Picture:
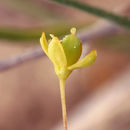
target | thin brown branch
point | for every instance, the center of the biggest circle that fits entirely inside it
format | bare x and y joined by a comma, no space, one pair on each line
17,60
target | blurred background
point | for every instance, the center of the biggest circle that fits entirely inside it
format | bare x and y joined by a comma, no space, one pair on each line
98,97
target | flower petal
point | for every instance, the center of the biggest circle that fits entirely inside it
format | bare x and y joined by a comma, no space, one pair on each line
85,62
44,43
56,53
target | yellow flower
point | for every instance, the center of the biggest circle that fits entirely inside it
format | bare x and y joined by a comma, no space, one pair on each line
65,54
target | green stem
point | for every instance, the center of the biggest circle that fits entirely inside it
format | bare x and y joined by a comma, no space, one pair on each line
123,21
19,34
31,34
63,102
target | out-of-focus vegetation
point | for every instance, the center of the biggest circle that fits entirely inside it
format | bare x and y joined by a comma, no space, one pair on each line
36,17
52,21
123,21
32,34
118,42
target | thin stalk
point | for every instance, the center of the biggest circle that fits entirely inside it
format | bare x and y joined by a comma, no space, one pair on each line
63,102
123,21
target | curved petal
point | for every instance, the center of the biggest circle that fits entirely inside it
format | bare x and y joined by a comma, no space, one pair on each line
56,53
44,43
85,62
